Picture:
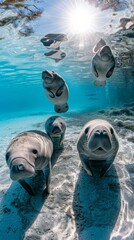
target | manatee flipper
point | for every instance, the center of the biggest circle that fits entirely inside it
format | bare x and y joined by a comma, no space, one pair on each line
95,70
61,108
86,164
61,139
99,83
109,73
106,167
51,94
48,54
26,186
60,90
48,178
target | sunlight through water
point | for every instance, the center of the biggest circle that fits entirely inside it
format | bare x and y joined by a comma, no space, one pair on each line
81,18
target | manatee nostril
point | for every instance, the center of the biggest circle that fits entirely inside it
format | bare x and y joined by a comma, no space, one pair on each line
97,132
18,168
21,167
104,132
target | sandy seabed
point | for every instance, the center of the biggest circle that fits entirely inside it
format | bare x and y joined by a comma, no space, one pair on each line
79,206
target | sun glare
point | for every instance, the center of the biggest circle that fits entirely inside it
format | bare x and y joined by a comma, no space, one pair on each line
81,18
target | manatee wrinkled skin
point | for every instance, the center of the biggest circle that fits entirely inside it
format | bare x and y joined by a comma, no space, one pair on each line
28,153
97,147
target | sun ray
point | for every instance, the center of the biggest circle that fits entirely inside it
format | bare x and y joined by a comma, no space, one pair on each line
80,17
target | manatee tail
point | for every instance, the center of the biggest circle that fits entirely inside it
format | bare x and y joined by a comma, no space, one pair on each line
99,83
61,108
99,45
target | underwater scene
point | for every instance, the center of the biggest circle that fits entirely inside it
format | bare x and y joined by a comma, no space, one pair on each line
67,120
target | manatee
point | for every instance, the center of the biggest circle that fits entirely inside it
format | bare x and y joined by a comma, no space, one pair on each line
97,147
56,90
103,63
28,153
53,41
55,127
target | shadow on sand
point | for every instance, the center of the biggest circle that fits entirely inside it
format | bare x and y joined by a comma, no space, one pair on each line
96,205
19,210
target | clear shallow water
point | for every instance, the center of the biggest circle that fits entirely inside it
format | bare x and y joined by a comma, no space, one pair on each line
78,207
22,61
21,90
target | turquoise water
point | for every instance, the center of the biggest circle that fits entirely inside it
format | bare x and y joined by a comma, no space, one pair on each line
22,62
78,207
22,59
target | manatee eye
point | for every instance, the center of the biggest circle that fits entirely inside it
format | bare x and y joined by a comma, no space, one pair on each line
111,130
34,151
7,155
86,130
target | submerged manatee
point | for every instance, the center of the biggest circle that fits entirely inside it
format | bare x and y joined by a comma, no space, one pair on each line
103,63
27,153
53,40
55,127
97,146
99,45
56,90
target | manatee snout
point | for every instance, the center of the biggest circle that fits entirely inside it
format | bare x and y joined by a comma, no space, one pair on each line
47,76
56,130
20,168
100,140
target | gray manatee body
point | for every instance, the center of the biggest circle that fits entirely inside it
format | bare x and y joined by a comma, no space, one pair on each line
53,41
55,127
56,90
97,147
103,63
28,153
99,45
57,55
